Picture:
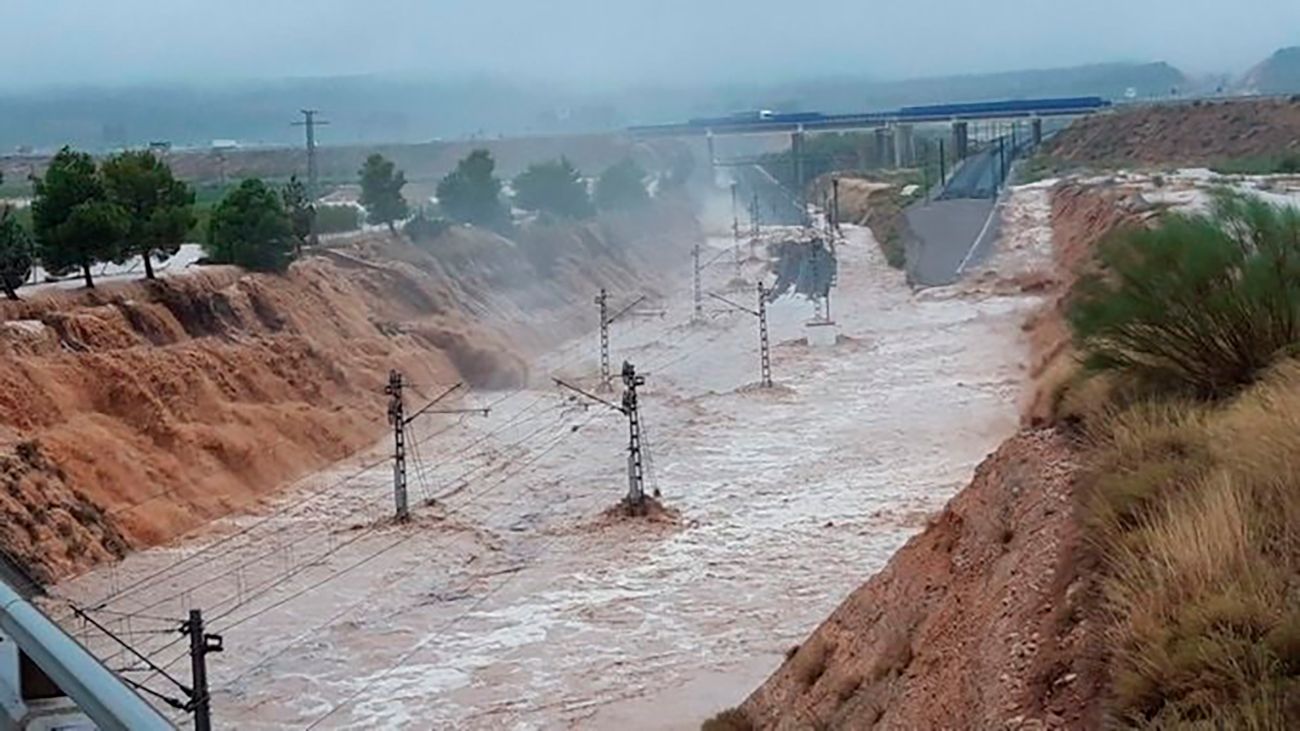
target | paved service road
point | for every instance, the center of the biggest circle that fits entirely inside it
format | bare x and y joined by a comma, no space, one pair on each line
960,225
945,234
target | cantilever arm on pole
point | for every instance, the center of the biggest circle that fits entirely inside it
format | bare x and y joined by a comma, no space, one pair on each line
742,308
715,258
620,409
434,402
625,310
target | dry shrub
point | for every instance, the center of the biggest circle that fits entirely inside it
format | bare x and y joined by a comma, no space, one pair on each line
809,661
1195,512
1140,455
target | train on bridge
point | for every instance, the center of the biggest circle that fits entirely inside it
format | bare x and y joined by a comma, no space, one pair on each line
769,121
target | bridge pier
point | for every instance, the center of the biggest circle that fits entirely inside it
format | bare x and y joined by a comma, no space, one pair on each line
960,140
796,159
713,160
884,147
1036,126
904,146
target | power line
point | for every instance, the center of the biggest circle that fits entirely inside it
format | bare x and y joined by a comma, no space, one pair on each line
519,470
263,589
307,536
420,645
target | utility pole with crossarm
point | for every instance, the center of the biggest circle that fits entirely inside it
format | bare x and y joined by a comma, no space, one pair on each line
629,407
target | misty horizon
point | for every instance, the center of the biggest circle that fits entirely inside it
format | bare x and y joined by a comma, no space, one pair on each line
599,47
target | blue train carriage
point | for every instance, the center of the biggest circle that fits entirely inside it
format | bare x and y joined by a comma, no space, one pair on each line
1009,106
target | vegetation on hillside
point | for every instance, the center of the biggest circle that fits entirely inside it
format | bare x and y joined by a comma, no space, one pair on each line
1202,303
1283,164
74,222
158,206
1189,496
381,192
622,187
16,253
555,187
302,212
472,193
251,229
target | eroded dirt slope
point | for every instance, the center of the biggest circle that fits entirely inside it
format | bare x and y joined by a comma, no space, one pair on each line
134,413
1185,134
973,623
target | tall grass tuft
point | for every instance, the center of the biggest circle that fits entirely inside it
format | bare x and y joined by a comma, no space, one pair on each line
1200,304
1194,508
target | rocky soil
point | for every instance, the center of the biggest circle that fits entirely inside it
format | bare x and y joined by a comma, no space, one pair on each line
1171,135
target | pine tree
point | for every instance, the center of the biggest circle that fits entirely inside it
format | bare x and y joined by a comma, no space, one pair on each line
160,207
250,228
554,187
15,253
74,223
381,192
472,193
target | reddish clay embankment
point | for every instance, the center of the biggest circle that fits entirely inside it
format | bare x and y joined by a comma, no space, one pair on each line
1082,215
133,413
989,619
975,623
1183,134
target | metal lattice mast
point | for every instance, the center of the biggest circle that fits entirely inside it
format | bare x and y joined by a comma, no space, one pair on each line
602,300
699,289
635,468
735,216
762,336
397,417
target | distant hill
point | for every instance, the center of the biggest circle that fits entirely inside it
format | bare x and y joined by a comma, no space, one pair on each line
1279,74
1111,80
371,109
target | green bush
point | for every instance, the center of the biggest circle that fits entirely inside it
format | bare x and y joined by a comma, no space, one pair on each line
423,228
1199,304
1288,164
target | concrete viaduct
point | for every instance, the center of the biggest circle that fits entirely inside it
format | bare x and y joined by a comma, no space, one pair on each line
893,129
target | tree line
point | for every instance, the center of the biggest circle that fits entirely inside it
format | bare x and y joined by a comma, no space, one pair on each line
473,194
131,205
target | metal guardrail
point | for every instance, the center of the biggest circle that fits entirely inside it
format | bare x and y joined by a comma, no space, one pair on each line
98,693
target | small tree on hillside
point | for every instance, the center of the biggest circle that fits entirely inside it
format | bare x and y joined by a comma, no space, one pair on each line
250,228
74,223
472,193
554,187
381,192
15,253
302,214
622,186
159,207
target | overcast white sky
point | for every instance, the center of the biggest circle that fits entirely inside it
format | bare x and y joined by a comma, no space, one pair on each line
608,42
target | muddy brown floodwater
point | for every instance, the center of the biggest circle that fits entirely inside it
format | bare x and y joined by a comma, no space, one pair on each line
514,602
